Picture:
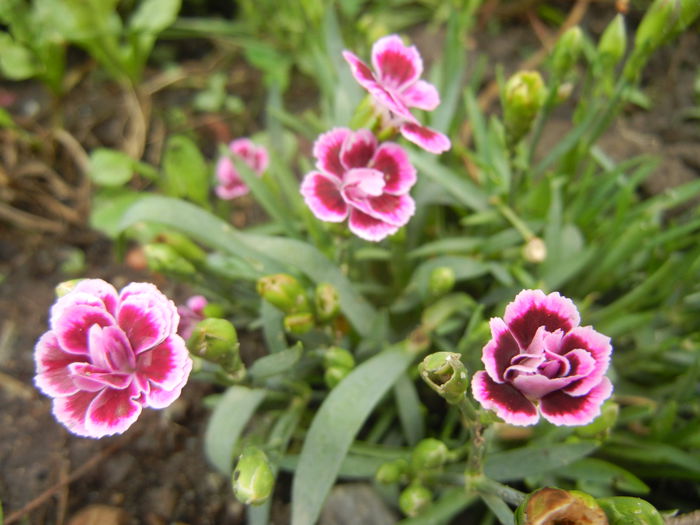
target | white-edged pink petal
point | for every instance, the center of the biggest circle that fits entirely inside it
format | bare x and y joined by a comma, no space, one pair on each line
499,351
360,183
165,363
110,349
595,344
394,209
535,386
112,412
422,95
362,73
357,149
73,298
157,397
322,195
144,324
369,228
254,156
562,409
53,377
71,411
508,403
396,65
430,140
532,309
74,323
399,174
327,151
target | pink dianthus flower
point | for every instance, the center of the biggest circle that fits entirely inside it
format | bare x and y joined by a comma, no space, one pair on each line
108,355
231,184
358,178
540,361
395,86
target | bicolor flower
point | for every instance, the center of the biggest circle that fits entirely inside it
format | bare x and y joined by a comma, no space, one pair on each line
190,314
107,355
362,180
540,361
231,184
396,87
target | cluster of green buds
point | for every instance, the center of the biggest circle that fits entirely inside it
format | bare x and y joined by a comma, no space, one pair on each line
216,340
523,97
287,294
338,363
173,254
549,506
253,478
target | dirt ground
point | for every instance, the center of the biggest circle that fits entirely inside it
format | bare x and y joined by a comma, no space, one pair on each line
156,472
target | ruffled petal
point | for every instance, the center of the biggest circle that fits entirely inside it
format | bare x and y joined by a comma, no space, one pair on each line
532,309
421,95
322,195
430,140
100,289
53,377
73,326
71,411
255,156
150,294
536,386
92,378
369,228
230,185
362,73
399,174
327,151
509,404
110,349
393,209
499,351
146,316
396,65
598,346
112,412
157,397
562,409
164,364
357,149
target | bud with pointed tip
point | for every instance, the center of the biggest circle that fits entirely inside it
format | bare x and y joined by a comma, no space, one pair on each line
523,98
216,340
414,499
253,478
445,373
566,51
327,302
182,245
612,43
550,505
284,292
163,258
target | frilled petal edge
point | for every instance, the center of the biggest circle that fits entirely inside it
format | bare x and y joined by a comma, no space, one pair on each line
562,409
509,404
430,140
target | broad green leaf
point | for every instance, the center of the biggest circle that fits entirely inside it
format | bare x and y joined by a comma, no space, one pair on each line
278,363
16,61
531,460
597,470
230,416
410,409
110,167
152,16
336,425
108,208
185,170
265,253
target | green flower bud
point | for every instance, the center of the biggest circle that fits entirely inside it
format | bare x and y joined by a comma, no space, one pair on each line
284,292
327,302
442,280
334,375
216,340
253,479
603,424
612,43
550,506
163,258
566,51
65,287
392,471
630,511
336,356
429,453
445,373
213,310
183,245
414,499
690,11
655,26
298,323
524,96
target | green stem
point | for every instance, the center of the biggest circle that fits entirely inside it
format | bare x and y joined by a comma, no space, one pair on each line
513,218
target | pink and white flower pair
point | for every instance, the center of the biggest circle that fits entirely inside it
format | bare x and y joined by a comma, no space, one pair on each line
108,355
231,184
358,178
396,87
540,361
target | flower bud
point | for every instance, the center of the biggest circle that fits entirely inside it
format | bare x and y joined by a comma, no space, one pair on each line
612,43
334,375
253,479
429,453
566,51
336,356
327,302
414,499
549,506
182,245
524,96
622,510
216,340
445,373
163,258
65,287
442,280
391,471
535,250
655,26
284,292
298,323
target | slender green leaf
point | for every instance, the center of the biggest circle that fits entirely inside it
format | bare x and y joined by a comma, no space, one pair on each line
499,508
410,409
227,421
274,364
600,471
152,16
335,426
